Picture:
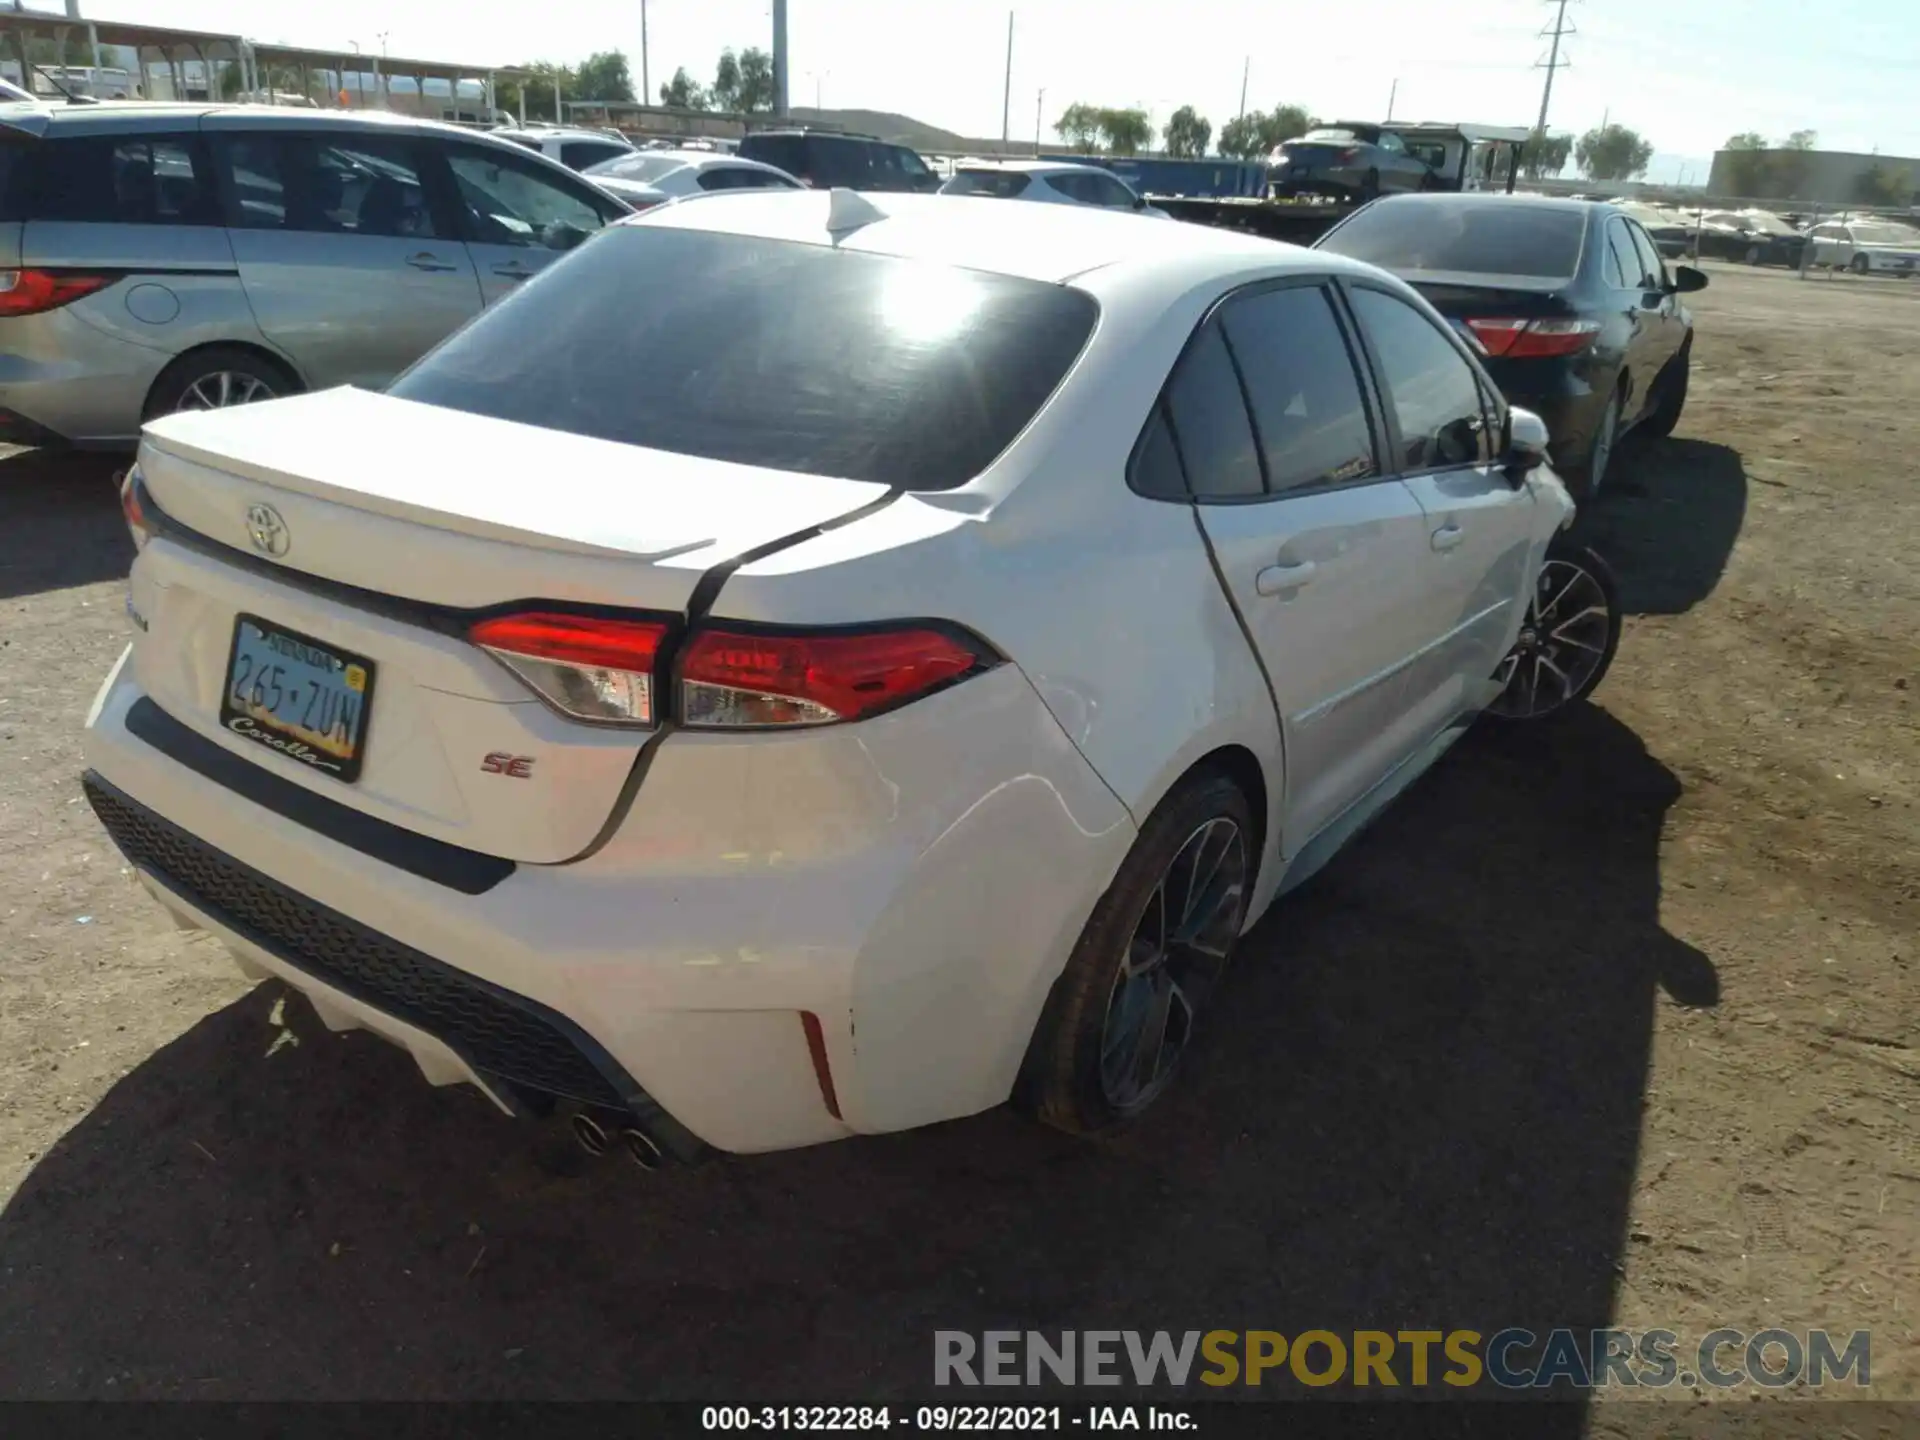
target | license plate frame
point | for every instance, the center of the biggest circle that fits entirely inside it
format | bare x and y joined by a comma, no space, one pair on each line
341,760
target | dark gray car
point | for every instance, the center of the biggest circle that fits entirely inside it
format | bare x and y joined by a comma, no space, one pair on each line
164,257
1349,161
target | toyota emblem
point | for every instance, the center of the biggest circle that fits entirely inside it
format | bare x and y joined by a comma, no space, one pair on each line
267,530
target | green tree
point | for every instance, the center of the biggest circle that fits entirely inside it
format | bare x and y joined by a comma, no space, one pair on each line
1125,131
1187,133
1284,123
603,75
1079,126
1613,152
725,93
1800,140
683,92
1544,154
1881,186
537,89
1240,137
756,81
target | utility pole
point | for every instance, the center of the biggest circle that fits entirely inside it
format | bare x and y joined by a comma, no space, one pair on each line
1006,99
780,58
646,90
1553,63
1246,69
1039,107
1392,95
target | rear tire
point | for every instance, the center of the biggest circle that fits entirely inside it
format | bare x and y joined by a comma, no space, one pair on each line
1861,265
1121,1016
1370,186
1673,395
1586,478
217,377
1567,639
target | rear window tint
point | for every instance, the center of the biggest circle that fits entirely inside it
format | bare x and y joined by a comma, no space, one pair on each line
1482,238
766,352
1002,183
122,180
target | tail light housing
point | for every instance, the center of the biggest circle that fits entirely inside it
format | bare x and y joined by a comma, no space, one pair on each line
33,292
587,666
612,671
1517,339
133,508
1349,155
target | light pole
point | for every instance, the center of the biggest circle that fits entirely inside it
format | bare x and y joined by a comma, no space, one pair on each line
1039,106
1006,98
646,90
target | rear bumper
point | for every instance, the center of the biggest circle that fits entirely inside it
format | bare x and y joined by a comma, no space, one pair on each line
1560,395
919,910
73,381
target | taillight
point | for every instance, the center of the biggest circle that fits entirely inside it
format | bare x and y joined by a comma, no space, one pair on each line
30,292
1349,155
133,511
604,669
732,678
1533,339
582,665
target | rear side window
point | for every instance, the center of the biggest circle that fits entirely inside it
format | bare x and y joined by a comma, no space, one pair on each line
841,162
1302,387
579,154
122,180
766,352
346,185
1520,237
1003,184
1434,392
739,177
783,152
1625,259
1210,422
1655,268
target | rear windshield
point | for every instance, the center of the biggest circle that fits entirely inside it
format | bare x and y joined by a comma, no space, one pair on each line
767,352
638,167
1346,137
1482,238
1003,183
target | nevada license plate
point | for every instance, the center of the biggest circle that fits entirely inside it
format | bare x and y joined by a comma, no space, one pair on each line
293,694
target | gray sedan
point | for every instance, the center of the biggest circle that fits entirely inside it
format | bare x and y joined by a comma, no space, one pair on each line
159,258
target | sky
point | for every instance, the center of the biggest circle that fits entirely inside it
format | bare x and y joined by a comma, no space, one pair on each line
1685,76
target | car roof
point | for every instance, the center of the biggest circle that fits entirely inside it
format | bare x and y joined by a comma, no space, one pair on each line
1032,167
557,132
1053,243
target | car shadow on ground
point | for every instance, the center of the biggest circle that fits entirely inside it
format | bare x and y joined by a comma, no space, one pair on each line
1667,521
1418,1108
60,521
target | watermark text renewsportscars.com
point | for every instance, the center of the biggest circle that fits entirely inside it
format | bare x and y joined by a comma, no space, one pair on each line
1508,1359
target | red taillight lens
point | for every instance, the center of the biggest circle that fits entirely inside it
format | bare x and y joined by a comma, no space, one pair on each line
131,508
1534,339
737,678
582,665
29,292
1349,155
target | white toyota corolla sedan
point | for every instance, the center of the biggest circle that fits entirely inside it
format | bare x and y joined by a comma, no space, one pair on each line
812,665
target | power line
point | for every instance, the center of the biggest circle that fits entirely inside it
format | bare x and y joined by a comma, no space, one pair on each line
1553,61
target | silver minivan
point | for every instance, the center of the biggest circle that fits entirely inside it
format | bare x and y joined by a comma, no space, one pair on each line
165,257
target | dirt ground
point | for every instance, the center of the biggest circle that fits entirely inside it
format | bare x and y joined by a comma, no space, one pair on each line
1614,1024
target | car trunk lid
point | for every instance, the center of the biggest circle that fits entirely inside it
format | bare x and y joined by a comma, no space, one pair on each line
375,530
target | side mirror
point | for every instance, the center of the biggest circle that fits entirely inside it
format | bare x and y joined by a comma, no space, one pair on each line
1686,279
1526,448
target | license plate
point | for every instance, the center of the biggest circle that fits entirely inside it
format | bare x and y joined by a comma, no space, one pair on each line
293,694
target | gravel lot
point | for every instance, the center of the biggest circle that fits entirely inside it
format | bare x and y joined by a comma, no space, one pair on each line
1614,1024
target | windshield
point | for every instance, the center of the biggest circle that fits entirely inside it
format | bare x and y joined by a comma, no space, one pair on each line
768,352
1004,184
1520,237
642,167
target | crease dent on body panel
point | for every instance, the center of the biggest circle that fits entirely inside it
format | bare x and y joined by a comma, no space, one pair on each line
699,604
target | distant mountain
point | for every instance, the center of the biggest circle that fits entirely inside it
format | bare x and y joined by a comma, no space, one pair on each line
901,130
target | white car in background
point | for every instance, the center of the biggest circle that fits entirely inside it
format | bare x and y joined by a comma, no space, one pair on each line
1048,182
646,178
1866,247
816,666
574,148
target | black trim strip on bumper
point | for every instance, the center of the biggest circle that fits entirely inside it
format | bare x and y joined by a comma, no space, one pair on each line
468,871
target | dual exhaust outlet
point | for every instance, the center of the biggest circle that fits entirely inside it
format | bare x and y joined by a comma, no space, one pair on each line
597,1140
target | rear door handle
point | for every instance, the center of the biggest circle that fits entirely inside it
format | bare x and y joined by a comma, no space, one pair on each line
427,260
513,270
1448,536
1279,579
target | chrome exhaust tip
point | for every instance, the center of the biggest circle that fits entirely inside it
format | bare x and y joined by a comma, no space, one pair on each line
642,1148
589,1132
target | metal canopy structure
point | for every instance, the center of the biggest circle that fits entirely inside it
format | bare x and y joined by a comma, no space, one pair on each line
266,70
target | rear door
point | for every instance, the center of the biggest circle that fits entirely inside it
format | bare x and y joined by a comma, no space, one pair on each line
518,215
1322,553
1665,328
1444,422
351,269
